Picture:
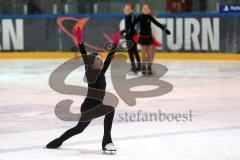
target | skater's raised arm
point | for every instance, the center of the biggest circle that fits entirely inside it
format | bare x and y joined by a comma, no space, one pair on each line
81,46
159,24
83,53
108,60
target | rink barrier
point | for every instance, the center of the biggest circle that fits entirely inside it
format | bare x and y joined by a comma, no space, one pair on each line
213,32
159,55
113,15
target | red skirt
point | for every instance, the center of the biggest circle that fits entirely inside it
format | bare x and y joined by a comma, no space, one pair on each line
137,37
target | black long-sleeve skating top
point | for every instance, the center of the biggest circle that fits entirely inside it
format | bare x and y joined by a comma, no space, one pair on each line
144,21
96,78
129,28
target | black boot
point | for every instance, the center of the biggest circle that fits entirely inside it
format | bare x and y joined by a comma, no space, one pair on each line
106,140
54,144
109,148
149,69
134,69
143,69
138,66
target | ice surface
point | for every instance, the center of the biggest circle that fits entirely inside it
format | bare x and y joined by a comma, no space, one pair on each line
210,89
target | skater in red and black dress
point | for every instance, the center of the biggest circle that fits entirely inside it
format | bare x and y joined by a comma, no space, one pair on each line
146,39
95,73
130,32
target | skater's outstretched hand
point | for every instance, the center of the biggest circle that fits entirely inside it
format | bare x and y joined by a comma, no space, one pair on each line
167,31
116,37
78,33
123,31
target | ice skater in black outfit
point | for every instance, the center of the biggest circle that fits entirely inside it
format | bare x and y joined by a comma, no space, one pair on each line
130,32
95,74
146,38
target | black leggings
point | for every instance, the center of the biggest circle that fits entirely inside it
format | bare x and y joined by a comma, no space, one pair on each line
133,52
83,124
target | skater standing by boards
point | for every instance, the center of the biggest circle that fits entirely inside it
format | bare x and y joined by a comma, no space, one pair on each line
95,73
129,33
145,38
154,33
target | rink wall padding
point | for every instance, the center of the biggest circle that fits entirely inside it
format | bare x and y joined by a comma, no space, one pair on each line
34,35
158,56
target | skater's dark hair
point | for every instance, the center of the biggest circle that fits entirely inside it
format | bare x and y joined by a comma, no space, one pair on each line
92,57
94,54
130,5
